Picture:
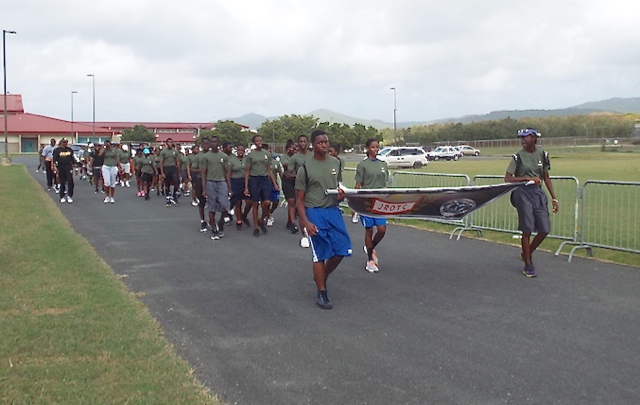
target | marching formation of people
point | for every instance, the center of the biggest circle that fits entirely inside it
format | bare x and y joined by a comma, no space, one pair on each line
226,181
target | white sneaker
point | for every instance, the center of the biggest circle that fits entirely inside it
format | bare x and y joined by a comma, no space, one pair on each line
371,267
106,200
304,242
111,200
270,221
127,183
69,199
355,218
63,200
194,203
374,255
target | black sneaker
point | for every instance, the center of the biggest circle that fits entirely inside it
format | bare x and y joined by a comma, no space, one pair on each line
529,271
289,225
203,227
221,225
294,229
146,197
239,226
214,235
256,233
221,232
323,300
262,226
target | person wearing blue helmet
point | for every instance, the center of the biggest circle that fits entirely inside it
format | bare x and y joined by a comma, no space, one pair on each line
531,164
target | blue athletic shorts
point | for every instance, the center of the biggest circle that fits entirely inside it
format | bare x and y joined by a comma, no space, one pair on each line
260,188
332,238
275,194
370,222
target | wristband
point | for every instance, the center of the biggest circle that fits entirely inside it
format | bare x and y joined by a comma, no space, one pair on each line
555,200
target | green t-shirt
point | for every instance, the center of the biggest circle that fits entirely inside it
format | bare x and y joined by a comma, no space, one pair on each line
531,164
184,160
124,156
137,161
194,161
315,178
147,164
372,173
169,156
258,162
110,157
236,165
215,165
298,160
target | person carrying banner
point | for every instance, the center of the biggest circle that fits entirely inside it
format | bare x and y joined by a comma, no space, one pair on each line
531,164
372,173
319,215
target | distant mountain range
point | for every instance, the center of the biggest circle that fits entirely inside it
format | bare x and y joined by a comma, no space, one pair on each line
616,105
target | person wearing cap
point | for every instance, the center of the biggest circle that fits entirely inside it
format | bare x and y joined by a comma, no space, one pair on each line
125,164
148,170
531,164
63,160
110,169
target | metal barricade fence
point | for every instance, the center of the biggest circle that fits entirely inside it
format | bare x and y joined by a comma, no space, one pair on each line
501,216
402,179
610,217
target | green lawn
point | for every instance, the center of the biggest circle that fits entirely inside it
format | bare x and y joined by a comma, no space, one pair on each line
71,333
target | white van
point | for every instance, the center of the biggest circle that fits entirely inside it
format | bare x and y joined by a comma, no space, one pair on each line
403,156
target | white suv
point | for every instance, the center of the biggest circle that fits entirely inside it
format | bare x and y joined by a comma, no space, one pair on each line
403,156
445,152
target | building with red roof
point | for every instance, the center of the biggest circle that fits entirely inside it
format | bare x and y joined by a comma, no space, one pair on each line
26,132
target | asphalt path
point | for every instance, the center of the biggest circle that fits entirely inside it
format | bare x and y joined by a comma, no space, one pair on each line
443,322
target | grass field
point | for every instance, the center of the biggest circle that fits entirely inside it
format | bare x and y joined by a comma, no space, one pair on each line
582,163
70,331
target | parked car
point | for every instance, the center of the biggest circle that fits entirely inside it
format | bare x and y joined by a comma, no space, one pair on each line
468,150
403,156
444,152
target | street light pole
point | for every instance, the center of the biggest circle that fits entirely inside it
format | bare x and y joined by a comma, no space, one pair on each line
394,114
72,93
93,78
4,71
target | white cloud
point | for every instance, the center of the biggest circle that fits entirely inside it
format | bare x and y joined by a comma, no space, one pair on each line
204,60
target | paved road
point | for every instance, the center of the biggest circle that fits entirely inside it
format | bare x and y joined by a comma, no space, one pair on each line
444,322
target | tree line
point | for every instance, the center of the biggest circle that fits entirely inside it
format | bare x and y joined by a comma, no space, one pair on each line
279,130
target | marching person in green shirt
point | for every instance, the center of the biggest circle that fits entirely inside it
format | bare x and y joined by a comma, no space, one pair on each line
236,181
319,215
215,182
372,173
148,170
531,164
110,169
288,185
125,165
259,182
170,172
298,160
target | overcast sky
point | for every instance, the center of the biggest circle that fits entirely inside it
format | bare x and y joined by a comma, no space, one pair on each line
205,60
